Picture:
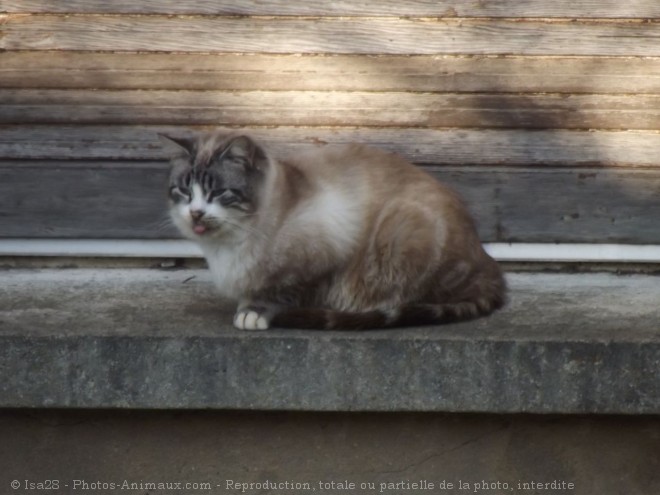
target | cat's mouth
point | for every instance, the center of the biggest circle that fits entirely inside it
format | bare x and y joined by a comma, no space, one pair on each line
200,228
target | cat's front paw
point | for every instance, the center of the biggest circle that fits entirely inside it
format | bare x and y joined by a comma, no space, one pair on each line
249,319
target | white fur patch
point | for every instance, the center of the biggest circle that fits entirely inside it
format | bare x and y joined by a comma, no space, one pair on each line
198,202
230,266
334,216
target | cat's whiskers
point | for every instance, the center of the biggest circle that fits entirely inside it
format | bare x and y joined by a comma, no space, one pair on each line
245,228
161,225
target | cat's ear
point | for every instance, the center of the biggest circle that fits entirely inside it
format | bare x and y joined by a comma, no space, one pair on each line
246,148
185,141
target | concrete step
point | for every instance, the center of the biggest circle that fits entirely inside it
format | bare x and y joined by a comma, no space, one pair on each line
155,339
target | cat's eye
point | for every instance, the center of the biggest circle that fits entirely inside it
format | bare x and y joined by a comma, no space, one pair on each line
180,193
226,197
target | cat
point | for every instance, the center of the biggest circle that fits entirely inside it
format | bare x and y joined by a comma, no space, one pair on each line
341,237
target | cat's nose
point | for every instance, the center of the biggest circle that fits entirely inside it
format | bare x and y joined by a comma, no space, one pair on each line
196,214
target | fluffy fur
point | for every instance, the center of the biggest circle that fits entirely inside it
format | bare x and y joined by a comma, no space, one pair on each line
343,237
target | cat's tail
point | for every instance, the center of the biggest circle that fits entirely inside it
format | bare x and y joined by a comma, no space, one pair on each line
406,316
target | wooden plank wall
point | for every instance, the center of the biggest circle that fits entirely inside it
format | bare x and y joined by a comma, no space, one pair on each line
545,115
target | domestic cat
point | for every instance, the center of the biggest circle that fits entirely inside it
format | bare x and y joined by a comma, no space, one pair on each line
340,237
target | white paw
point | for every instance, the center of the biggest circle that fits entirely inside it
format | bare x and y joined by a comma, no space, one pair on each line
250,320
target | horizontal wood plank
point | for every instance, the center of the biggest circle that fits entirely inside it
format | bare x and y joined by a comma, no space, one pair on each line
103,200
327,35
422,8
330,109
569,205
337,73
91,202
468,147
492,97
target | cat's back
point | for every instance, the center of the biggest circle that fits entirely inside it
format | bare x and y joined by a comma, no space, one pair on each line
380,177
359,166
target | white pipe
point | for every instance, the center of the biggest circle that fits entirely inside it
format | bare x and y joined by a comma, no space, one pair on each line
174,248
111,248
588,253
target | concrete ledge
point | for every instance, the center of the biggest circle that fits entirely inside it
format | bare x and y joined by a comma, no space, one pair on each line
587,343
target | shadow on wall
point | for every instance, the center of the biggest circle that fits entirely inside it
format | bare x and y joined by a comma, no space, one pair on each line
510,132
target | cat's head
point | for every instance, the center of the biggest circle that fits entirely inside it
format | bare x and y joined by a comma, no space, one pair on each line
215,184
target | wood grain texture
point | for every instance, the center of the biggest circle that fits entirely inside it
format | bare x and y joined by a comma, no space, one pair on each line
468,147
330,109
569,205
91,201
337,73
327,35
127,200
423,8
493,97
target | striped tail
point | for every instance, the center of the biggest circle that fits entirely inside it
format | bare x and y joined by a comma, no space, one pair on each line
409,315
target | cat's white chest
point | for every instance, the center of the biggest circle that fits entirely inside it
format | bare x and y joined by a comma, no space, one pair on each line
230,268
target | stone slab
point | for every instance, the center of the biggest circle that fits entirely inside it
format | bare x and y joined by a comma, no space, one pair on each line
157,339
224,452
